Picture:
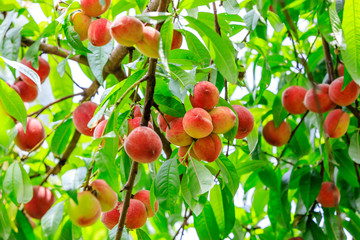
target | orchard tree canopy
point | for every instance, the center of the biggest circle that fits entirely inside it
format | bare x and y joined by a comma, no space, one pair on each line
183,119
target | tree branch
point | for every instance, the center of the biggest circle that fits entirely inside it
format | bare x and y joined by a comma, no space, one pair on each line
328,60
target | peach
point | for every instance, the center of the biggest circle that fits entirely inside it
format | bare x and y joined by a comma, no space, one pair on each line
127,30
197,123
343,97
177,40
43,71
143,145
176,133
26,92
144,197
341,70
277,136
99,132
329,195
104,193
86,212
149,45
246,121
17,90
293,99
81,23
162,123
325,102
223,119
136,215
111,218
99,32
82,116
94,8
208,148
183,150
137,111
336,123
35,133
135,122
205,95
40,203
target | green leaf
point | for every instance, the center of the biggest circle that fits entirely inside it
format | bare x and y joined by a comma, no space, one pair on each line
73,37
197,47
309,187
251,19
354,148
72,180
166,36
278,110
250,166
231,6
5,227
25,230
200,178
17,184
51,220
275,21
181,82
141,235
154,17
98,58
196,206
228,171
61,137
188,4
108,169
230,135
205,224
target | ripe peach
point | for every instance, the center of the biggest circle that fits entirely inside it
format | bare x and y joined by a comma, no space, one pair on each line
82,116
104,193
293,99
43,71
127,30
111,218
40,203
137,111
144,197
205,95
325,103
329,195
94,8
341,70
177,40
143,145
136,215
135,122
99,32
26,92
86,212
223,119
81,23
246,121
182,152
149,45
162,123
99,132
35,133
277,136
208,148
17,90
197,123
176,133
345,97
336,123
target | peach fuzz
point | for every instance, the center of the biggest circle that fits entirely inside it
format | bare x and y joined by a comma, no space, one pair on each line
205,95
99,132
149,45
43,71
144,197
99,32
81,23
40,203
136,215
86,212
35,133
104,193
135,122
127,30
324,101
26,92
293,99
223,119
246,121
176,40
329,195
111,218
162,123
82,116
176,133
336,123
208,148
277,136
143,145
94,8
343,97
183,150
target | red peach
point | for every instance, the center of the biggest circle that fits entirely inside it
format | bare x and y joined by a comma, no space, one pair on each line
94,8
135,122
82,116
104,193
162,123
176,133
223,119
40,203
208,148
197,123
99,132
99,32
35,133
277,136
336,123
345,97
293,100
127,30
183,150
81,23
26,92
246,121
86,212
144,197
149,45
177,40
137,111
43,71
341,70
205,95
329,195
17,90
136,215
111,218
325,104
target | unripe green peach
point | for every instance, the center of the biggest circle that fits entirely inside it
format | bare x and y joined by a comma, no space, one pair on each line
149,45
162,123
329,195
86,212
99,32
293,100
205,95
197,123
35,133
94,8
208,148
40,203
324,103
176,133
336,123
277,136
82,116
144,197
81,23
343,97
135,122
127,30
111,218
246,121
26,92
43,71
104,193
136,215
223,119
177,40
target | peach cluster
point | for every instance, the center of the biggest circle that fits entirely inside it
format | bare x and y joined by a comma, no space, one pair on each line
197,132
138,212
